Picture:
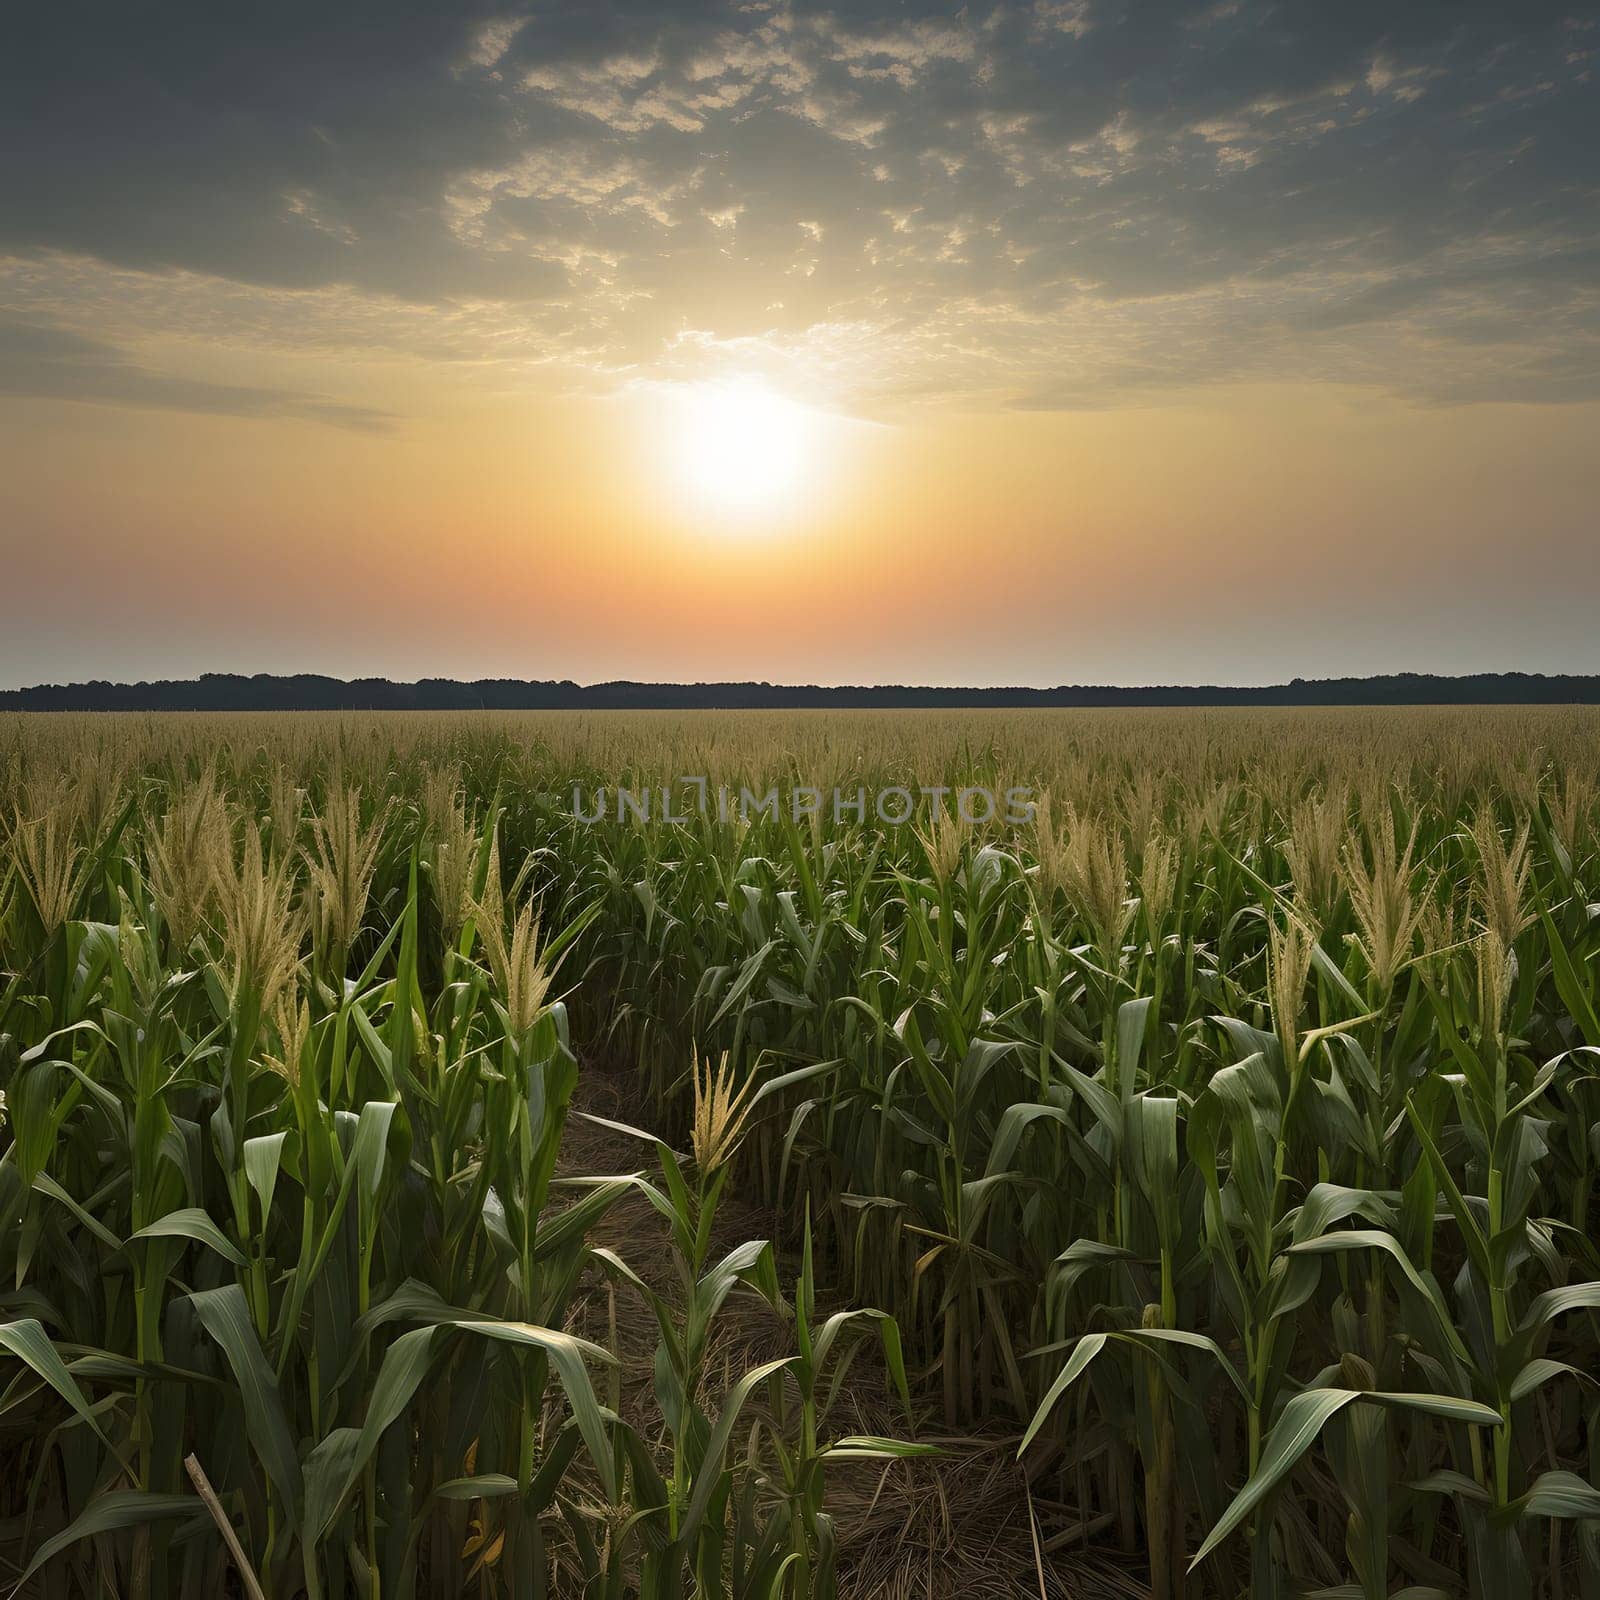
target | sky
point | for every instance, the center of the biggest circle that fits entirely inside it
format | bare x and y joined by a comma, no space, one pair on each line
1064,342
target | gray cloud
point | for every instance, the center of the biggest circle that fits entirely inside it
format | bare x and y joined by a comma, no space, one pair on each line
57,364
1049,203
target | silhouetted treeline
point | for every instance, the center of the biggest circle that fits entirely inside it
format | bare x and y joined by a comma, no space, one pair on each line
222,691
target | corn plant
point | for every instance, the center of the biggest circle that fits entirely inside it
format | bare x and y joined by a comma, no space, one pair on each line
1226,1135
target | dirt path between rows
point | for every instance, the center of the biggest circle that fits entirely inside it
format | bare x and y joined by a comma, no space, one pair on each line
959,1524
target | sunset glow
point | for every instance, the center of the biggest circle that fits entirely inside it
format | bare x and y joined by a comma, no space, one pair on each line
1011,344
742,445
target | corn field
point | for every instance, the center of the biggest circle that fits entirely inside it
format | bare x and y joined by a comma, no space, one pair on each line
1215,1149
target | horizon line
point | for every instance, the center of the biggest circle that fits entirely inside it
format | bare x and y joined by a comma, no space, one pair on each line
230,691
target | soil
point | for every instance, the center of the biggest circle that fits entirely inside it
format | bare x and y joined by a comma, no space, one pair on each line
964,1522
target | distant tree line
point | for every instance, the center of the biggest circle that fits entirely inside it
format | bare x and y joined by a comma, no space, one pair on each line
223,691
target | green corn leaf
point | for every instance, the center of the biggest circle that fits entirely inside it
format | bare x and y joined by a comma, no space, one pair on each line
1576,993
711,1468
1371,1239
869,1447
1560,1494
263,1158
225,1315
121,1508
194,1224
567,1355
1535,1374
1086,1349
333,1467
44,1184
1301,1420
30,1344
486,1486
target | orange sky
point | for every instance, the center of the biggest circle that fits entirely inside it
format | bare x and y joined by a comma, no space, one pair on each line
1106,345
1267,532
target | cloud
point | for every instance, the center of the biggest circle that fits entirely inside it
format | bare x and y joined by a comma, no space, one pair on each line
1091,200
56,364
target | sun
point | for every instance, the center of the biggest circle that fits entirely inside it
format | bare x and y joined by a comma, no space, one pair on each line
741,446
